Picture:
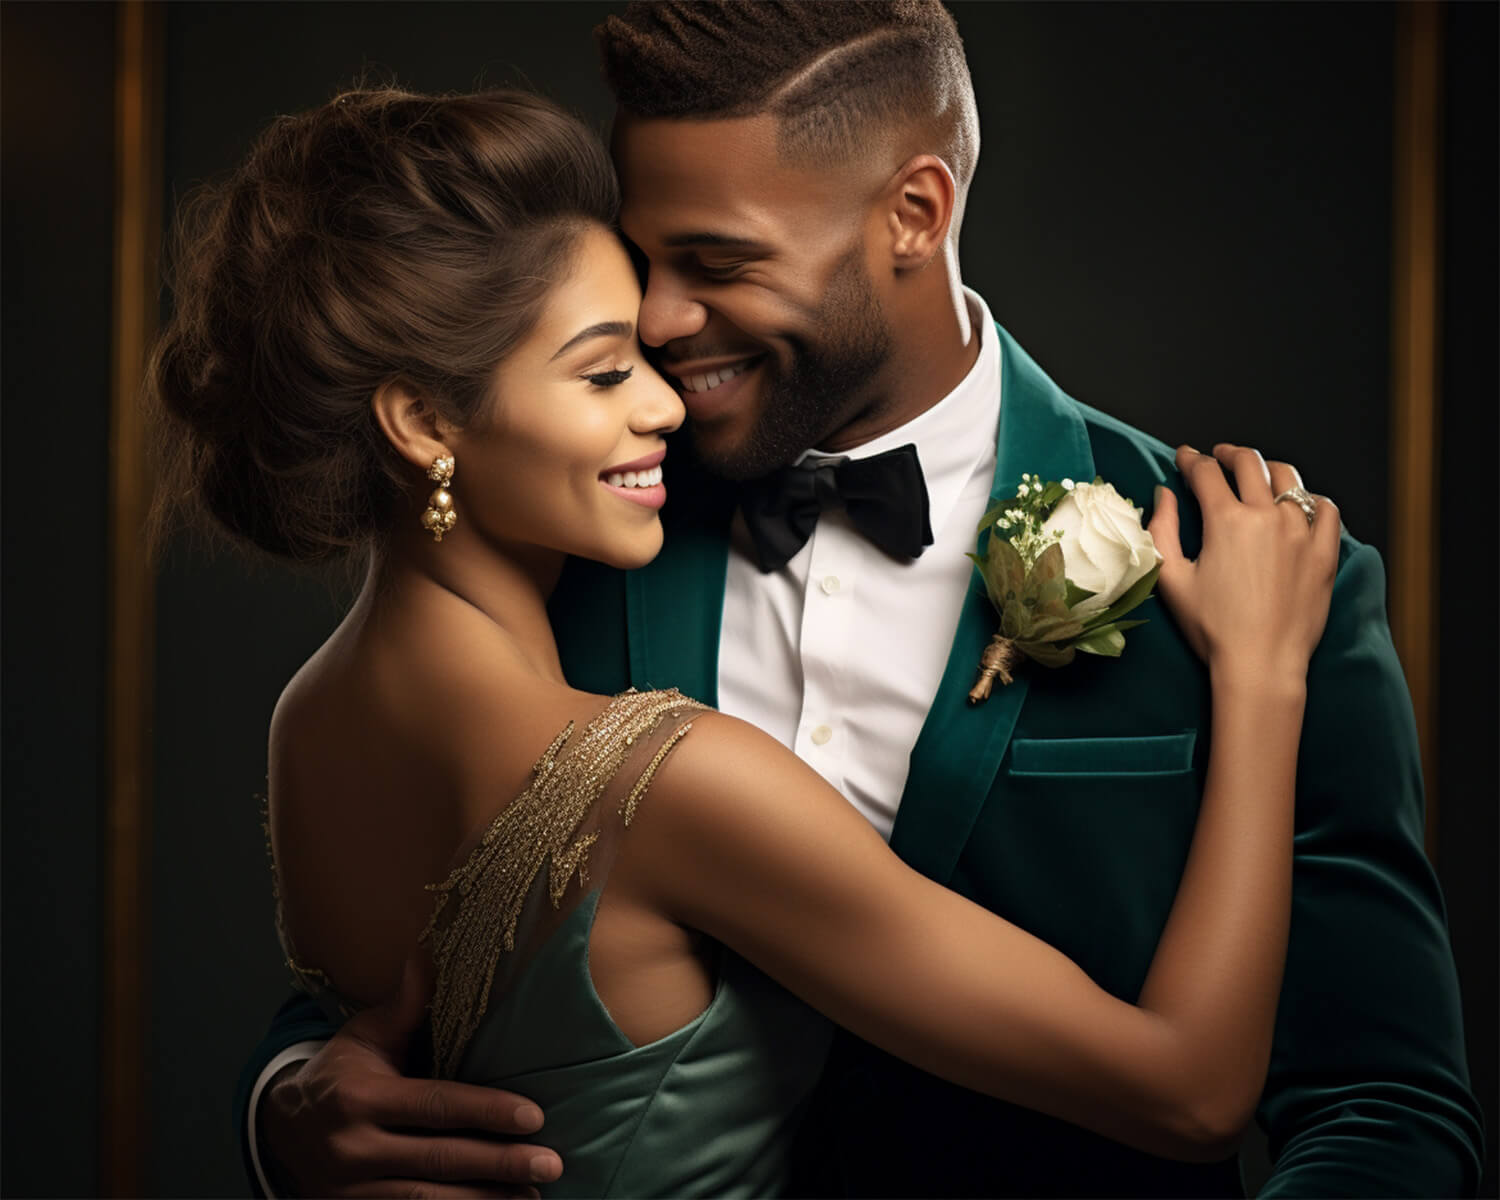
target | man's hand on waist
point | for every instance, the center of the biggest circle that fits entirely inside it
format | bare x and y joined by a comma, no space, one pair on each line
347,1122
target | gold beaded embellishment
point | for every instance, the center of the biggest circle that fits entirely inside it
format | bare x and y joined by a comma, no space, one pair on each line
542,823
438,517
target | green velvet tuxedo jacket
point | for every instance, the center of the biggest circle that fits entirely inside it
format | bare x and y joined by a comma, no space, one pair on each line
1066,804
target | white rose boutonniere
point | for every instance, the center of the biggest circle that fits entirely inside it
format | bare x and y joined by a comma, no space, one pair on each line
1105,548
1062,564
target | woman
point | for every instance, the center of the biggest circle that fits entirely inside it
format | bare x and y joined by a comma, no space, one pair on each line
397,292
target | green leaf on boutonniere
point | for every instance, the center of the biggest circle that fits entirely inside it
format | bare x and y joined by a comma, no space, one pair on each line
1013,619
1103,631
1046,591
1001,569
1108,642
1134,595
1048,566
1076,594
1052,495
1052,598
1047,654
1023,568
1056,629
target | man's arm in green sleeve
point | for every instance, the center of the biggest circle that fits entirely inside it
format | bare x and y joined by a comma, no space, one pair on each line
298,1020
1368,1091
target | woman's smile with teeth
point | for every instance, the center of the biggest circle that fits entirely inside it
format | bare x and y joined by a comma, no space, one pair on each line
647,478
712,379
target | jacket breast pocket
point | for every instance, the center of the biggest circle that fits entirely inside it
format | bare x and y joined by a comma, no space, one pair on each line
1082,843
1152,756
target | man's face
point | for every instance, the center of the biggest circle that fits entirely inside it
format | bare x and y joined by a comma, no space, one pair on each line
759,294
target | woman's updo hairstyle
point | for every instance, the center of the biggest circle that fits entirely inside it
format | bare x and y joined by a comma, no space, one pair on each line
384,236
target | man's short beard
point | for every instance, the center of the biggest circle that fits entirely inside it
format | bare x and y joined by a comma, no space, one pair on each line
814,399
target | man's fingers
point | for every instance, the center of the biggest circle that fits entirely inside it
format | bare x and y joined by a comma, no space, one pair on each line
456,1159
402,1189
442,1104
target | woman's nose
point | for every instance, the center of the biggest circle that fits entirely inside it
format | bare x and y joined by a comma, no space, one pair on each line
659,408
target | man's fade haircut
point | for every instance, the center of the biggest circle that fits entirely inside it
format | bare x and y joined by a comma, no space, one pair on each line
831,73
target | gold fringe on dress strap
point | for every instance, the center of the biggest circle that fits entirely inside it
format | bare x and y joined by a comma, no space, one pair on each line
542,823
627,809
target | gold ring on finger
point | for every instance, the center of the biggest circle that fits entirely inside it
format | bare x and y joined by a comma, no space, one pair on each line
1303,499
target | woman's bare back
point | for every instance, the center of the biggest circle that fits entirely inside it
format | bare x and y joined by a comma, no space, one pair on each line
391,750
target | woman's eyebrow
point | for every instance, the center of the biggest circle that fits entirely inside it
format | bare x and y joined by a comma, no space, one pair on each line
602,329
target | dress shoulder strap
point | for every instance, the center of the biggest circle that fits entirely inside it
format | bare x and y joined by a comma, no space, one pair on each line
518,882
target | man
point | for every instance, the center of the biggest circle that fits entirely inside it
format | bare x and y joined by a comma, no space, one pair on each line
795,178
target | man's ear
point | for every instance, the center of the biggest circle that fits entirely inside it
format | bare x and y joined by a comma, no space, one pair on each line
411,424
919,210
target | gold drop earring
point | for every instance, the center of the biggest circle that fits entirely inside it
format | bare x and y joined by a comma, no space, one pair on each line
438,517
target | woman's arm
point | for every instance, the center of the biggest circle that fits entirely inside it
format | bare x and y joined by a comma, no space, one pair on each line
745,842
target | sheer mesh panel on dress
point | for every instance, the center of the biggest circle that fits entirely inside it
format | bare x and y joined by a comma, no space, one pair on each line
529,868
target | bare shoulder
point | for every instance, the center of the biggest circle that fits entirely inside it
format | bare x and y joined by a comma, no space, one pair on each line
731,788
454,698
726,758
388,750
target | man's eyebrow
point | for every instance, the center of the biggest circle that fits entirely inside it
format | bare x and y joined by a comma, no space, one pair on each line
705,238
602,329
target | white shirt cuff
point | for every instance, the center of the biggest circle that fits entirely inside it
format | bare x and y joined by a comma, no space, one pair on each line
300,1052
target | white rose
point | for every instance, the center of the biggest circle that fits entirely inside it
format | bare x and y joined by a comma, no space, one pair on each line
1105,547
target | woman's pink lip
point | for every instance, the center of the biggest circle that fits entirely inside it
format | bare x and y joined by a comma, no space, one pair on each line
638,464
650,497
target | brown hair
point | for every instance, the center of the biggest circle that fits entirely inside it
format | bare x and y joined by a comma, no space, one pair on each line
384,236
830,72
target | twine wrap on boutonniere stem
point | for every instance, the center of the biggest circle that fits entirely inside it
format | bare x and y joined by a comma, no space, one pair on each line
1062,563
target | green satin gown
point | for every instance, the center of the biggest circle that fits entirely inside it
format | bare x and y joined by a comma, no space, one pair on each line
708,1110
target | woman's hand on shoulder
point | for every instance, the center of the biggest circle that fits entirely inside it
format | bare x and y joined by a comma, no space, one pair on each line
1254,602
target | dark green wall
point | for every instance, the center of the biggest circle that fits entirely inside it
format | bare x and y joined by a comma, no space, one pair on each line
1468,832
1183,212
56,199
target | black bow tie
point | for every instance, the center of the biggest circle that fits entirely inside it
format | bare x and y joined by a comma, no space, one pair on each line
884,495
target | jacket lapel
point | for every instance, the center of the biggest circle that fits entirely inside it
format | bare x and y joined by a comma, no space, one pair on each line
960,748
674,605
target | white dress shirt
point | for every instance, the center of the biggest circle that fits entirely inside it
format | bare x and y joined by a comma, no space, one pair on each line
838,654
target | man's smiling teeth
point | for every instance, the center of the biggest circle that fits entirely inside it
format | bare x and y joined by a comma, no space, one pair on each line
706,383
635,478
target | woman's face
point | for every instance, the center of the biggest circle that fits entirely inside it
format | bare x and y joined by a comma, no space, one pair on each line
568,455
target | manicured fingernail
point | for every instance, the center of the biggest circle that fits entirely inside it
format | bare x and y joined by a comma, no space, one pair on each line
544,1169
528,1118
1192,449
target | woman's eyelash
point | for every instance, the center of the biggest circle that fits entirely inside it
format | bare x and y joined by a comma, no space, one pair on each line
605,379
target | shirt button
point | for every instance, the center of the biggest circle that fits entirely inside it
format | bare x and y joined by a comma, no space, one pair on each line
820,735
830,584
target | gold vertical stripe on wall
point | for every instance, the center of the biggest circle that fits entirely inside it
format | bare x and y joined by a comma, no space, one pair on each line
1415,371
138,174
